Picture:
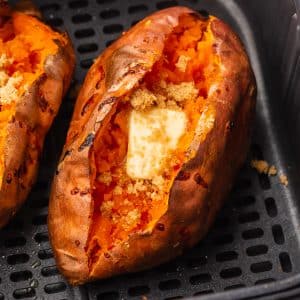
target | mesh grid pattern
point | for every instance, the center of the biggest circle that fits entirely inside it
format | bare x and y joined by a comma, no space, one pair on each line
250,243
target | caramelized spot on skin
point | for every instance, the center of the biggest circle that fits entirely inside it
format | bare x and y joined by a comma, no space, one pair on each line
200,181
160,226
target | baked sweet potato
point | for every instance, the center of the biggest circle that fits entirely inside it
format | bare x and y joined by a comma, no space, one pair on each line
160,128
36,64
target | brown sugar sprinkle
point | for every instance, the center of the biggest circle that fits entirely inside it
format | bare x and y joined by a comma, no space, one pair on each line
106,208
181,92
105,178
117,190
165,95
142,98
283,179
262,167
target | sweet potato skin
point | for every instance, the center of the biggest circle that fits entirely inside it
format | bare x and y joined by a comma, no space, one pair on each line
194,198
34,114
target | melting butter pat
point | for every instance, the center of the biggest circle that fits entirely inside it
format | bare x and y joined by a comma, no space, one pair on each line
153,134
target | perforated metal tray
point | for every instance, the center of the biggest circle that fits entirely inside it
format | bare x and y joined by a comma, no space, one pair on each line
255,240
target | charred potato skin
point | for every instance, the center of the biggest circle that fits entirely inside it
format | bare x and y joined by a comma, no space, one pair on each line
206,178
34,115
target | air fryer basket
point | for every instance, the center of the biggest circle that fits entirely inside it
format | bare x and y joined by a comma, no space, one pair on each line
253,250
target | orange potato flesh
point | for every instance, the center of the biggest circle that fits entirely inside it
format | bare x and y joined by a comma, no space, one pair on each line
29,42
190,39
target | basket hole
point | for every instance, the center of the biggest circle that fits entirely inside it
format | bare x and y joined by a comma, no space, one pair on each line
139,290
86,63
231,273
40,220
271,207
78,4
200,278
223,239
234,286
254,233
109,13
278,234
165,4
24,293
169,284
265,280
85,48
45,254
55,287
285,262
112,28
83,33
244,201
260,267
264,181
256,152
198,262
206,292
15,242
55,22
51,6
108,296
49,271
82,18
169,267
105,1
41,237
137,8
222,222
16,259
226,256
242,184
248,217
20,276
257,250
15,224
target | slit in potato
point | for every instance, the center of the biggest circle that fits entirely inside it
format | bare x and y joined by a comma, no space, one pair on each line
142,147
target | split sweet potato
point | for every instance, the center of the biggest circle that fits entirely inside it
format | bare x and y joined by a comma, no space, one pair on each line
160,128
36,64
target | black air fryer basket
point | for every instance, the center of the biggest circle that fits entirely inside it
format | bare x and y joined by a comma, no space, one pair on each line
253,251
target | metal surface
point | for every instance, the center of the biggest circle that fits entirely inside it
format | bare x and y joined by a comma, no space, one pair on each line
255,240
